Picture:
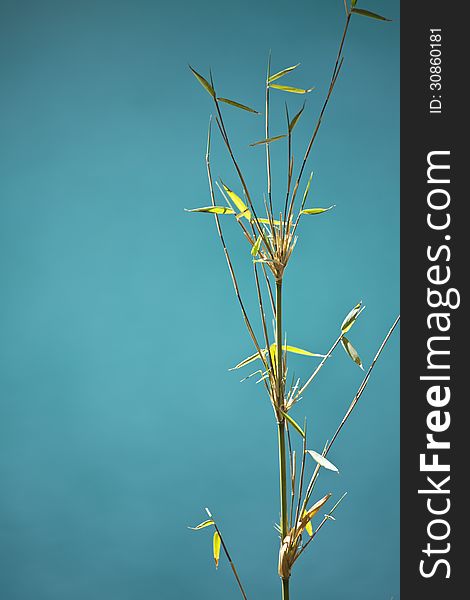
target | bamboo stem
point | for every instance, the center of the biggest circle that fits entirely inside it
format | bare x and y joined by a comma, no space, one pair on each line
281,428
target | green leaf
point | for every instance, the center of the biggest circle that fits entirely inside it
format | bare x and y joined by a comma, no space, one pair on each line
351,351
316,211
282,73
207,523
292,90
368,13
205,84
295,425
351,317
242,207
256,246
293,123
322,461
308,527
216,548
307,189
218,210
353,3
268,140
295,350
268,221
238,105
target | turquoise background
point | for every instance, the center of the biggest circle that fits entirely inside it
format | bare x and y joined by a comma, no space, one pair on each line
119,421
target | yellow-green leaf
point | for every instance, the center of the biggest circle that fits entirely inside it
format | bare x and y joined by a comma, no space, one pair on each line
351,317
268,140
368,13
207,523
316,211
294,424
351,351
295,350
353,3
218,210
322,461
238,105
205,84
292,90
308,527
256,246
216,548
242,207
282,73
293,123
268,222
307,189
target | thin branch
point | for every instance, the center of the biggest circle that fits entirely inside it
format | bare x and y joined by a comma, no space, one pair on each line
229,558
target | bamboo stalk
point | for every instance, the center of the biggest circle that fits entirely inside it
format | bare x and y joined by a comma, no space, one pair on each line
281,428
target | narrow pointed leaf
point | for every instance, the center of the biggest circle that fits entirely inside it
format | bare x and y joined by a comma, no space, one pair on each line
292,90
351,351
218,210
294,424
282,73
205,84
268,140
238,105
268,222
293,123
247,361
216,548
311,512
308,527
351,317
316,211
207,523
256,246
322,461
295,350
353,3
242,207
368,13
307,190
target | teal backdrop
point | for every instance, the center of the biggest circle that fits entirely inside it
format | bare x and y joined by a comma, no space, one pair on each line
119,419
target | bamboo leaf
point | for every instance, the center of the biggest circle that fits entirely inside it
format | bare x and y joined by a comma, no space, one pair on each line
202,525
242,207
216,548
311,512
368,13
308,527
307,190
293,123
268,221
205,84
353,3
351,351
256,246
316,211
238,105
295,350
282,73
218,210
268,140
351,317
294,424
322,461
247,361
292,90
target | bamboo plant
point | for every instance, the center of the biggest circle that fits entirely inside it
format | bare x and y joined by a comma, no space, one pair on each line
270,230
